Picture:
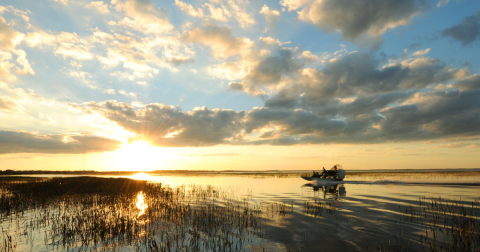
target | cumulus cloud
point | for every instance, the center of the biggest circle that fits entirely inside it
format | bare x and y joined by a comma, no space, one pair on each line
71,45
27,142
271,69
466,31
468,83
9,38
22,60
440,113
169,126
66,44
39,38
6,66
188,8
218,13
362,21
241,15
272,16
362,74
141,15
220,40
99,5
302,116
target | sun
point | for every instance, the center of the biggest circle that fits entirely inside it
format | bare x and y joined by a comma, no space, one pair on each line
140,156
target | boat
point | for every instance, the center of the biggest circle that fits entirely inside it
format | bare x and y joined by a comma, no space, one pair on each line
336,173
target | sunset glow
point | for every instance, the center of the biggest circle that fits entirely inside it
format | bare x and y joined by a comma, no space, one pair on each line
134,85
140,156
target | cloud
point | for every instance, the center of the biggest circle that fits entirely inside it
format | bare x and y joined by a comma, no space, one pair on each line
218,13
22,60
6,66
440,113
7,104
244,18
307,116
39,38
456,145
360,74
141,15
67,44
468,83
188,8
220,40
271,69
169,126
421,52
294,4
293,122
362,21
442,2
27,142
99,5
272,16
71,45
309,57
65,2
467,31
9,38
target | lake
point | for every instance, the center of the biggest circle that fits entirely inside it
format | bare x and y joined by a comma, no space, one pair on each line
282,212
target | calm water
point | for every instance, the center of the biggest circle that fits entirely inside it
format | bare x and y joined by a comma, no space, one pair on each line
367,209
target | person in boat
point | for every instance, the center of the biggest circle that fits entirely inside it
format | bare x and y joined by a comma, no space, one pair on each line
324,173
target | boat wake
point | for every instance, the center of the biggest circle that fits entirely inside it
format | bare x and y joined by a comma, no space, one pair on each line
329,182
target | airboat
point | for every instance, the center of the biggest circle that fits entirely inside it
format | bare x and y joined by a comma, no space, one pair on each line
336,173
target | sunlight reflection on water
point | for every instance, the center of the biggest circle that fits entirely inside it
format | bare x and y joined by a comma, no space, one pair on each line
141,205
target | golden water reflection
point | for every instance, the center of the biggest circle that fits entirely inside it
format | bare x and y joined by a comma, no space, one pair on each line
141,205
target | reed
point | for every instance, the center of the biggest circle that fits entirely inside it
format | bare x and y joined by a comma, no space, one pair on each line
88,213
450,225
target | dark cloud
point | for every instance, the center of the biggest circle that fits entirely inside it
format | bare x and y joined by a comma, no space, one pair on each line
354,99
235,86
271,69
361,20
436,114
467,31
170,126
26,142
293,122
469,83
358,83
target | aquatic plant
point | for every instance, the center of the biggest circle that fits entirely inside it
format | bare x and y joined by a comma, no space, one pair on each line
450,225
89,213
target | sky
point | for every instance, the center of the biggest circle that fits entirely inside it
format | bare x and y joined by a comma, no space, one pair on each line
143,85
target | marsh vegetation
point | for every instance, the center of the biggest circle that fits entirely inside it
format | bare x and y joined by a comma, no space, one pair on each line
275,213
85,213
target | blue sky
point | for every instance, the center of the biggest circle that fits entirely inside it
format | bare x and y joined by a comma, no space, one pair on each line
89,77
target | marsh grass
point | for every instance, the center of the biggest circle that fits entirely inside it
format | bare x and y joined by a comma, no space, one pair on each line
450,225
90,213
